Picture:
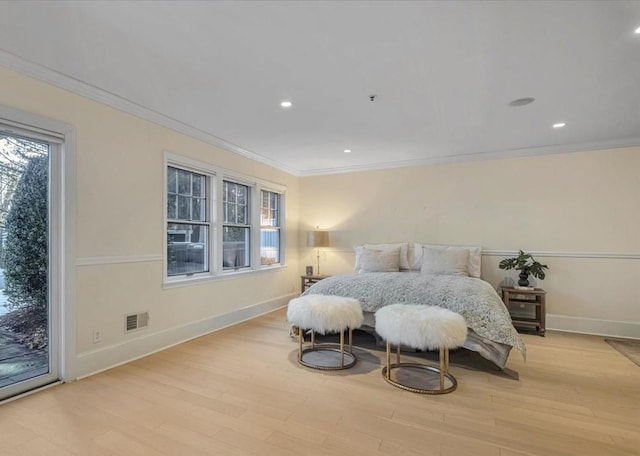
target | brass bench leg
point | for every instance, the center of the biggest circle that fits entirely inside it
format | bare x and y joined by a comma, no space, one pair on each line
388,360
300,342
443,369
341,348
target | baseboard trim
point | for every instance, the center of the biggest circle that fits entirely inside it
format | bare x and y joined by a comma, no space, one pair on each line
95,361
608,328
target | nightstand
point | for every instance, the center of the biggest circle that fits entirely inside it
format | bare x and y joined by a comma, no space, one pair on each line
307,280
526,307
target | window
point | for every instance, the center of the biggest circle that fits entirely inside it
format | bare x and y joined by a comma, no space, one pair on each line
236,229
188,224
219,223
269,228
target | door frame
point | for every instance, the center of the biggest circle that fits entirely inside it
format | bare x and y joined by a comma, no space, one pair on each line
62,234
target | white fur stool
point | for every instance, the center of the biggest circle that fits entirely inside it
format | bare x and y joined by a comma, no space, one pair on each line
324,314
422,328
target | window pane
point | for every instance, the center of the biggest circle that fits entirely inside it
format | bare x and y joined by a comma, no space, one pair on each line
235,247
242,194
233,215
269,246
172,206
172,180
198,185
241,215
184,182
186,249
269,212
198,209
183,207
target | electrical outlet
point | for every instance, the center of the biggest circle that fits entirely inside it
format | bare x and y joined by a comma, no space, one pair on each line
96,336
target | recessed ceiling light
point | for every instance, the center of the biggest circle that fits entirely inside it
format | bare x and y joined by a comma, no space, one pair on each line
559,125
637,31
286,104
522,101
347,151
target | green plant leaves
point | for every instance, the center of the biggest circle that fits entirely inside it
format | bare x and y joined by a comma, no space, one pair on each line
525,262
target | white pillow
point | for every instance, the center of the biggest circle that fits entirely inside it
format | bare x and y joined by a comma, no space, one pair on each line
474,266
380,260
445,261
404,257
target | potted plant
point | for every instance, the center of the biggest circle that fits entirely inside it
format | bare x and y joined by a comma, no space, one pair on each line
526,264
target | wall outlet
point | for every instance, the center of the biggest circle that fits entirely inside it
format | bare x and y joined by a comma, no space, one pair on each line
96,336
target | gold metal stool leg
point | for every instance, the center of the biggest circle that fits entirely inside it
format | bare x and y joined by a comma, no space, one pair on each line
388,360
442,368
341,348
347,358
442,372
301,342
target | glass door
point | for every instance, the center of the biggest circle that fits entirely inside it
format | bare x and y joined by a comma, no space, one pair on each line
28,337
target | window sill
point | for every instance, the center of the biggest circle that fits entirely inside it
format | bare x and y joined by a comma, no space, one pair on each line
184,282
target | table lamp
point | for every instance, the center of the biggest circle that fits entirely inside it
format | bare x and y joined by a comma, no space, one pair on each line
317,239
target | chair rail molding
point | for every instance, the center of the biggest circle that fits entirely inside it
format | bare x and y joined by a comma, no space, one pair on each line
537,253
94,261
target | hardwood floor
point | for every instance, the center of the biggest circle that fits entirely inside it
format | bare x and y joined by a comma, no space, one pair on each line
240,391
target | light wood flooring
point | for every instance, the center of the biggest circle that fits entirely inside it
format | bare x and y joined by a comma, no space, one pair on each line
240,392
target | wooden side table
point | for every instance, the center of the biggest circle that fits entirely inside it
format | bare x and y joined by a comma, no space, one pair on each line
519,303
307,280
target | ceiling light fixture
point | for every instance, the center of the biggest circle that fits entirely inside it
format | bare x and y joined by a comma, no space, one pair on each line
559,125
522,101
347,151
286,104
637,31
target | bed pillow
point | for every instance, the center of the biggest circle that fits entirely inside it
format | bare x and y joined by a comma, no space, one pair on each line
404,257
380,260
474,266
446,261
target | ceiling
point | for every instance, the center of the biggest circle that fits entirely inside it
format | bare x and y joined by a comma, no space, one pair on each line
443,74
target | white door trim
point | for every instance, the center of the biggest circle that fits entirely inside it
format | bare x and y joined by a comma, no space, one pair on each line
62,232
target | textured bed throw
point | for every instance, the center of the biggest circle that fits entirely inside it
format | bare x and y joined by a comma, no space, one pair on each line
474,299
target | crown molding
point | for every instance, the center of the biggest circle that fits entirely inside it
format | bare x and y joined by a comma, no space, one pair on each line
94,93
479,156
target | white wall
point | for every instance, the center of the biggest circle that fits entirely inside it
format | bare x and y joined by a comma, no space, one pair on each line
582,208
121,234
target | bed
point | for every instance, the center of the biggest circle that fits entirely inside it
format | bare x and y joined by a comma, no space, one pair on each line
445,278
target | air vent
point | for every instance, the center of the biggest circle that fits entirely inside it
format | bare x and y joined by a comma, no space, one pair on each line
137,321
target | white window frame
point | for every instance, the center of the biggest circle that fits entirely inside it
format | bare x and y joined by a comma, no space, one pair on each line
250,223
215,178
209,181
279,227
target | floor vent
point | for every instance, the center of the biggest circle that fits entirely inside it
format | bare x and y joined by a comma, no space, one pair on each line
136,321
